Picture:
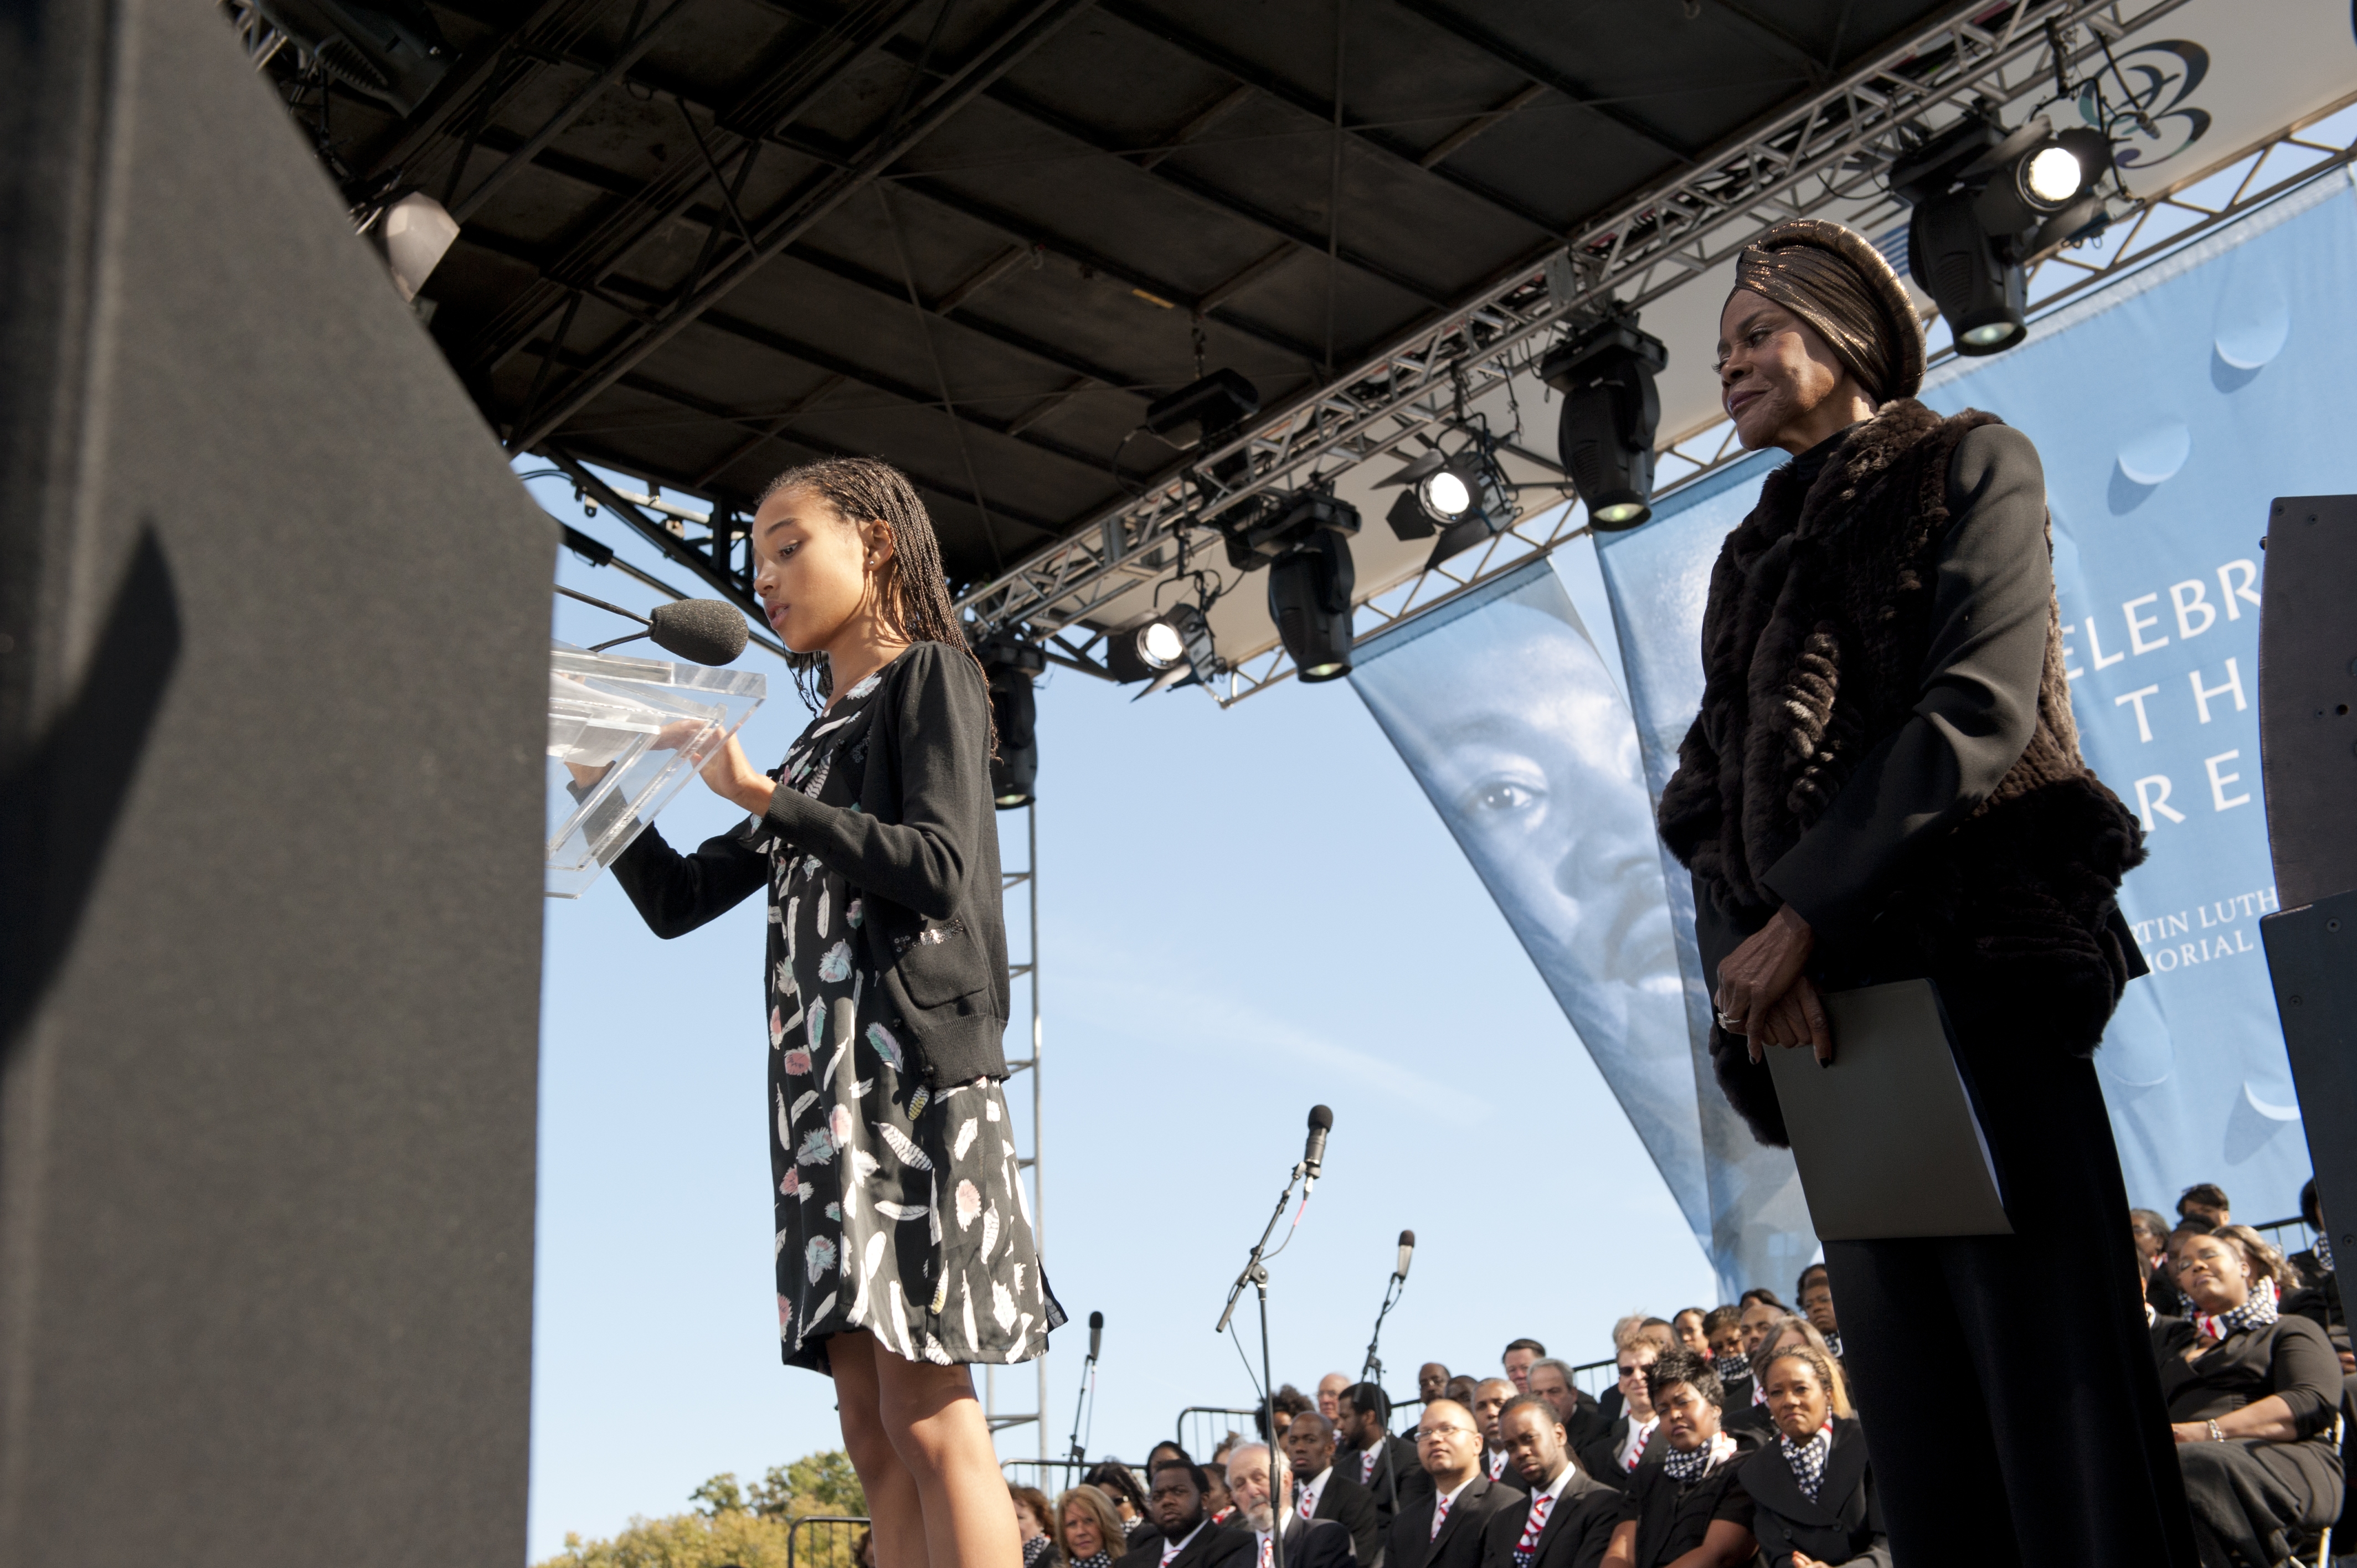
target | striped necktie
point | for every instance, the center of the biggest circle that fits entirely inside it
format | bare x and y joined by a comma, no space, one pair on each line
1267,1551
1527,1547
1439,1516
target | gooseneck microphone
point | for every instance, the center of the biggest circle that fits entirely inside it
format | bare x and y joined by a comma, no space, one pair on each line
704,632
1321,1121
1407,1254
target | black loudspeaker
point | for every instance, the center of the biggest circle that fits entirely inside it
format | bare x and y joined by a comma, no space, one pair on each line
274,622
2308,748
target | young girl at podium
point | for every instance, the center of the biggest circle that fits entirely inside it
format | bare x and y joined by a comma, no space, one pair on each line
904,1242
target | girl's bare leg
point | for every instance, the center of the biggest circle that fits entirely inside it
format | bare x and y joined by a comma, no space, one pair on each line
937,1427
892,1497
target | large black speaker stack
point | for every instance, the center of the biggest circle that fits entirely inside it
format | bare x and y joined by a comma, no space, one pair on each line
273,621
2307,742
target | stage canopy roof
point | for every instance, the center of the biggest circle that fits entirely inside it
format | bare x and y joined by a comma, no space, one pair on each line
702,240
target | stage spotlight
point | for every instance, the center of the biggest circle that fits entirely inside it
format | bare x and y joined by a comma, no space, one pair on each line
1165,647
1986,199
1011,666
1309,590
1611,410
1465,498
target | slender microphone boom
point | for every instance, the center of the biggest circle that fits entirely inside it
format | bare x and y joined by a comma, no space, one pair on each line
1321,1121
1406,1254
1096,1333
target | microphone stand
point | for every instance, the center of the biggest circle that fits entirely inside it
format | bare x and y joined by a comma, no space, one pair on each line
1373,1372
1088,1387
1256,1275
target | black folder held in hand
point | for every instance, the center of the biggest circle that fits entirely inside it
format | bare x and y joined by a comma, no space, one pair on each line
1886,1138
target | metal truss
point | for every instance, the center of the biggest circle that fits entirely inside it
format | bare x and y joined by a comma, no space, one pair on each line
2154,228
1829,151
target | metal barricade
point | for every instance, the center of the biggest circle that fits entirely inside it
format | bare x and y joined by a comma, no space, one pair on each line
1053,1477
2287,1235
836,1542
1594,1377
1200,1427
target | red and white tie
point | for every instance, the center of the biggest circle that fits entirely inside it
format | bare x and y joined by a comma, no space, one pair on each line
1439,1516
1267,1551
1171,1549
1645,1437
1527,1546
1497,1464
1309,1503
1367,1466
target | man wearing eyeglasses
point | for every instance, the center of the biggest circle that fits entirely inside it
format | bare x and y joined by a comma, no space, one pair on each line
1443,1527
1612,1457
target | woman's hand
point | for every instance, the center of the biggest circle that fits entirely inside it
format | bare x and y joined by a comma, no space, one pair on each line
1799,1018
1802,1560
1756,976
737,780
2189,1431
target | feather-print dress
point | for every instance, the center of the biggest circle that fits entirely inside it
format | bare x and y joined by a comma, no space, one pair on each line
899,1207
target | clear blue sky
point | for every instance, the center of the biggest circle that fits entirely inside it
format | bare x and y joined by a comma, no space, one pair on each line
1244,912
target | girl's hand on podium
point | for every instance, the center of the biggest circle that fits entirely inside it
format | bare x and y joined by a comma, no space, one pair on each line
735,780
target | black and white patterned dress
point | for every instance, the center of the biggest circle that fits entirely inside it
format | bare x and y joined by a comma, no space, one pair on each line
900,1208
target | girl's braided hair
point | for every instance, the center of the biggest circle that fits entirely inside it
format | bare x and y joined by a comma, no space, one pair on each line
916,594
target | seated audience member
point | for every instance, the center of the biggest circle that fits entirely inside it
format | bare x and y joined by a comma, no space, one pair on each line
2314,1265
1092,1530
1624,1332
1690,1510
1812,1490
2151,1234
1460,1388
1613,1456
1686,1323
1567,1520
1120,1485
1218,1507
1490,1397
2175,1302
1035,1525
863,1549
2319,1302
1442,1528
1759,1294
1724,1327
2204,1203
1289,1403
1583,1419
1761,1309
1188,1537
1661,1332
1329,1389
2251,1397
1257,1479
1431,1382
1326,1491
1162,1451
1385,1464
1816,1298
1517,1360
1784,1334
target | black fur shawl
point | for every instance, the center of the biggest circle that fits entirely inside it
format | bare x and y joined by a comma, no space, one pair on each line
1818,623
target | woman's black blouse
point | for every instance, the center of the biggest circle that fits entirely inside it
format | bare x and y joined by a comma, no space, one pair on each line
2289,1357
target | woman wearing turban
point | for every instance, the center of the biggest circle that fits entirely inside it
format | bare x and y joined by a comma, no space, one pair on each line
1884,783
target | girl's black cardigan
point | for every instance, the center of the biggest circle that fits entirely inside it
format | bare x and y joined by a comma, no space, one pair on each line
921,846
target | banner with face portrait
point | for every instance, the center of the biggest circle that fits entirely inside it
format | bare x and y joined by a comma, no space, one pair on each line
2169,410
1506,715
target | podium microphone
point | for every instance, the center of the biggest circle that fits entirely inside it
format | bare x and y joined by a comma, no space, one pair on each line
704,631
1407,1254
1321,1121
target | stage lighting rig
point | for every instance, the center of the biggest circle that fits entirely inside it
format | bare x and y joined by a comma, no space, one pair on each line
1310,585
1465,498
1011,665
1610,411
1986,199
392,50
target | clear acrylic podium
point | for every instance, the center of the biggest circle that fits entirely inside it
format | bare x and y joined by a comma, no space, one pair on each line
650,724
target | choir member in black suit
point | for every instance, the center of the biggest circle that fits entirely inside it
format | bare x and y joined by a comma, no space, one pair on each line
1567,1520
1811,1487
1490,1397
1442,1528
1690,1508
1385,1464
2250,1397
1612,1457
1326,1491
2314,1265
1188,1539
1516,1362
1432,1381
1584,1419
1255,1477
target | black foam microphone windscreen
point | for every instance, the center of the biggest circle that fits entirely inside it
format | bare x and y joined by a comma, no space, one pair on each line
1096,1333
707,631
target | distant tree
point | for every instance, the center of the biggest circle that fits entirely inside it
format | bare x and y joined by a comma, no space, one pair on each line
731,1525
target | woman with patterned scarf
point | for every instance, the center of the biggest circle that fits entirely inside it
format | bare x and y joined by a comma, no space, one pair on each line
2251,1399
1812,1490
1884,783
